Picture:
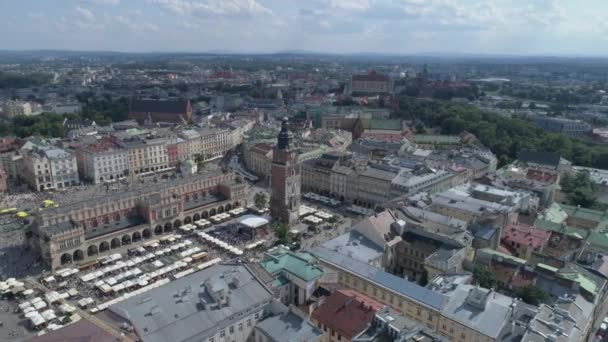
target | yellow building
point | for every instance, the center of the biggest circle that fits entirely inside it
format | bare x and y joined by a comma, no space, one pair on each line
460,313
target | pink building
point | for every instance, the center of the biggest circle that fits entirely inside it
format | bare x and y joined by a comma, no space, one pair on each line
522,240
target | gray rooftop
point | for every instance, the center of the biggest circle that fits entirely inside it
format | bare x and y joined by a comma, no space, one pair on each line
191,309
463,201
356,246
135,189
289,327
57,153
375,173
396,284
426,215
488,320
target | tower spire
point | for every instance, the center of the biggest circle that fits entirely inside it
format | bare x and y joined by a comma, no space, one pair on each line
284,137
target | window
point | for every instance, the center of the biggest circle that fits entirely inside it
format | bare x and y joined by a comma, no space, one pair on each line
223,333
418,311
211,339
257,315
462,336
241,326
249,322
231,329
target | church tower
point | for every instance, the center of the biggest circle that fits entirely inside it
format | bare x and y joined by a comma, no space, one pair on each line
285,180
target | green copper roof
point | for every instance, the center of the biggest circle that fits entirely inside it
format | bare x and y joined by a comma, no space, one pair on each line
387,124
280,281
503,255
300,264
549,225
583,281
601,217
598,239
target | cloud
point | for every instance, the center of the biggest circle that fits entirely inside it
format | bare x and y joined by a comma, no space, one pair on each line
402,26
211,8
105,2
84,13
350,5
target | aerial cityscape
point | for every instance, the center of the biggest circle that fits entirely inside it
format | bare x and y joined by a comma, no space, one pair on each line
315,171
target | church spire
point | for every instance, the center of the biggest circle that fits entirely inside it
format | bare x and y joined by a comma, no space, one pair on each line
284,136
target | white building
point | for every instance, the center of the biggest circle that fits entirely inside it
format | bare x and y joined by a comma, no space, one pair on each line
11,109
48,168
103,161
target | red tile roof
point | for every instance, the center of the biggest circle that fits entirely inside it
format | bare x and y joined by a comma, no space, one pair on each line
262,148
525,235
522,278
347,312
103,145
372,76
7,144
393,137
541,176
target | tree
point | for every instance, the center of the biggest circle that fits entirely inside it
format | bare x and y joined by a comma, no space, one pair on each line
532,295
420,128
15,80
281,232
579,189
504,136
485,278
199,159
260,200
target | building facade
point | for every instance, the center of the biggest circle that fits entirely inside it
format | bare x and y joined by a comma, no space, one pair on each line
371,83
103,161
573,128
48,168
84,230
11,109
150,111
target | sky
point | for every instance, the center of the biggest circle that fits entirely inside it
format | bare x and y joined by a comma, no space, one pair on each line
514,27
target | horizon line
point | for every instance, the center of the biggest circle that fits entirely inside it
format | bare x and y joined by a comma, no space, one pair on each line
310,52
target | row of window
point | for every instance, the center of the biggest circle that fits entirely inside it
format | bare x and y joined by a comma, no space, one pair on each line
231,328
169,212
66,244
419,312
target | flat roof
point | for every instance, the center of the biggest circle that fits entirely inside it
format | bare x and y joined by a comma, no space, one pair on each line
185,310
488,320
253,221
289,327
356,246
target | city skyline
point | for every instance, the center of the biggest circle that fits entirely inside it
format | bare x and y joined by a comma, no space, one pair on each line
404,27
